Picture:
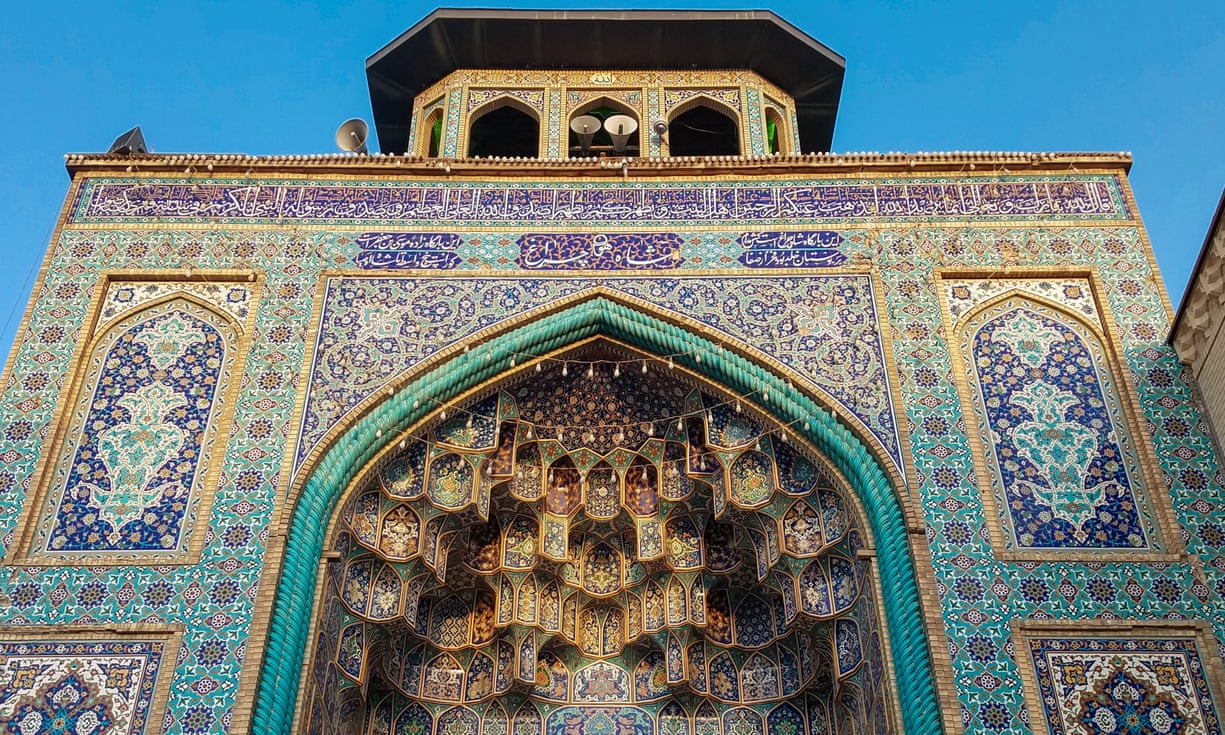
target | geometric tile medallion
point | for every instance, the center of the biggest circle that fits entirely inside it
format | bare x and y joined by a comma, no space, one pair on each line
77,683
1122,684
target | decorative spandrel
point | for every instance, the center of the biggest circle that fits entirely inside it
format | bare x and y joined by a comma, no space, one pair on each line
647,547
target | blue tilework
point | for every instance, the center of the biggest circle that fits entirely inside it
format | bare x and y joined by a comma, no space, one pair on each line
376,328
66,685
1061,444
979,595
1123,684
131,463
102,201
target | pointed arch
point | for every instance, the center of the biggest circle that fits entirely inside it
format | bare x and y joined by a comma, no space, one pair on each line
1041,377
431,132
602,108
503,126
777,136
99,500
704,126
598,315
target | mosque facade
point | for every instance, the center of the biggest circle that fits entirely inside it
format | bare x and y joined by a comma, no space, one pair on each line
592,406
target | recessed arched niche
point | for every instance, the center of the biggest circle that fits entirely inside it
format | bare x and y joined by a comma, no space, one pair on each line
430,139
777,140
596,543
611,136
504,128
703,127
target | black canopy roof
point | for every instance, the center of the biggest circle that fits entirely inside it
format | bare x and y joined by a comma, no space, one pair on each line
450,39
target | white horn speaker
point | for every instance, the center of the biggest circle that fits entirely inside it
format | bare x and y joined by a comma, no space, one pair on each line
620,127
585,127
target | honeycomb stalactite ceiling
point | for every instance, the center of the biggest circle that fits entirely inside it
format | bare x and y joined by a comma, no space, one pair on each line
598,536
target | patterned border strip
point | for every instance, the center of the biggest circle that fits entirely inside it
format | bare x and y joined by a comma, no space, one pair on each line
243,201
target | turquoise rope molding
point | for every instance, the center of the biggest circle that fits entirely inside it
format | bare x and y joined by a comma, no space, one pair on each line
292,611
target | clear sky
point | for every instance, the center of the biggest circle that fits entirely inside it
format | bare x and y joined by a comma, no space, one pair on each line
276,78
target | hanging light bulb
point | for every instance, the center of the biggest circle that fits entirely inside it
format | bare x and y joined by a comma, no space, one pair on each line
469,424
617,370
529,432
697,357
591,370
680,424
644,367
651,430
443,415
670,366
644,475
537,367
512,360
378,433
416,403
565,369
737,405
403,443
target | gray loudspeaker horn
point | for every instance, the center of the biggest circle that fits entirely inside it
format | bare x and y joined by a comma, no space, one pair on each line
585,127
351,135
620,127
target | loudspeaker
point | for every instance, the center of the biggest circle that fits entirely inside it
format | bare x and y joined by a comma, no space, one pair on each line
585,127
351,135
129,143
620,127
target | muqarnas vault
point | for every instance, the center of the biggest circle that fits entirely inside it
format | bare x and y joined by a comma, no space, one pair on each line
591,406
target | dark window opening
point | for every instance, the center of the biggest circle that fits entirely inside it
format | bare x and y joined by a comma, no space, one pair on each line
703,131
504,132
602,142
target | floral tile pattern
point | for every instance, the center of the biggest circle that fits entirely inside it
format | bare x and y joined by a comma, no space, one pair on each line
891,324
1123,685
60,685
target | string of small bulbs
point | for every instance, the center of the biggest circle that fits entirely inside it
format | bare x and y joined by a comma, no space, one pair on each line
588,368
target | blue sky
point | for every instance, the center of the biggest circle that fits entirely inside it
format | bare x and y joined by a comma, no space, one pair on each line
273,78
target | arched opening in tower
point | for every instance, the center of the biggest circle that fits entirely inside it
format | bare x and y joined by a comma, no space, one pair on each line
601,141
598,546
703,131
504,131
